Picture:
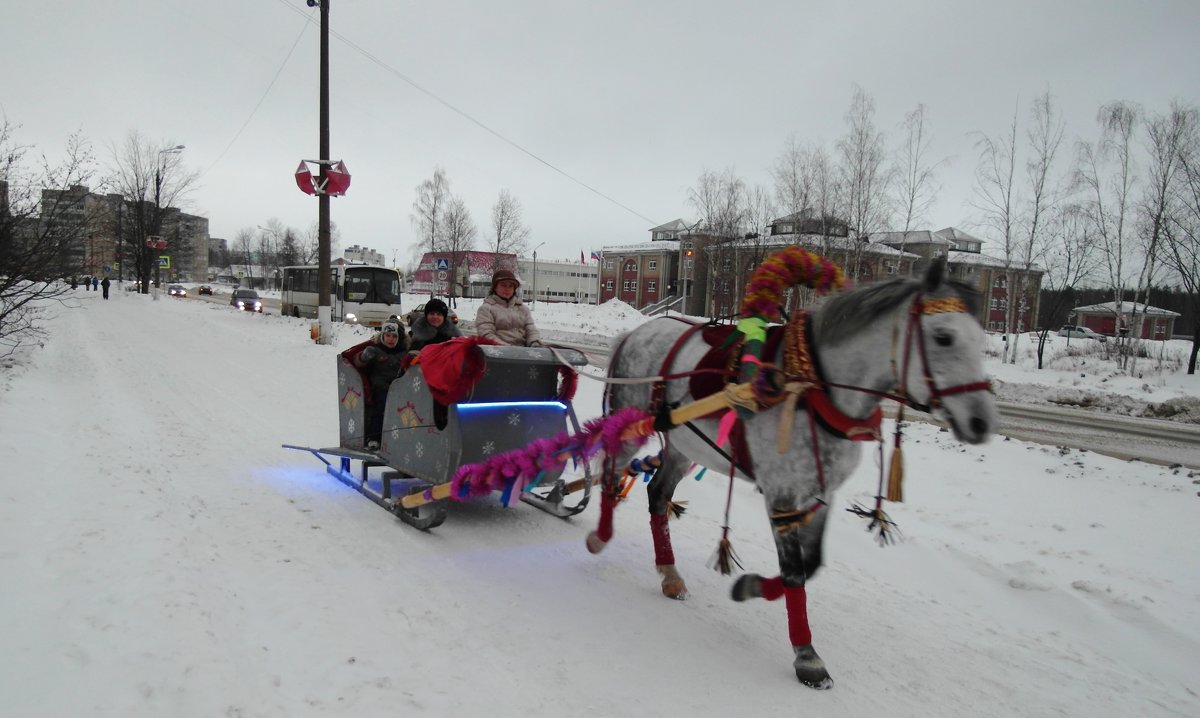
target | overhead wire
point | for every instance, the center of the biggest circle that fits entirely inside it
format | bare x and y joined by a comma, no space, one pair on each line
470,118
271,84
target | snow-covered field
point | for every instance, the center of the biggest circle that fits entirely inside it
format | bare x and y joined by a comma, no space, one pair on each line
163,556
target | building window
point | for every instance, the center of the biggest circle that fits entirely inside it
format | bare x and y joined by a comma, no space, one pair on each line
785,229
995,304
631,266
652,264
890,266
633,286
651,285
1000,281
608,285
688,263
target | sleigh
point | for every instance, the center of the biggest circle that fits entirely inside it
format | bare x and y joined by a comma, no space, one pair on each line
519,396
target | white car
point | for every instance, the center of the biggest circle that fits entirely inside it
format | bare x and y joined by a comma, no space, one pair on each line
1071,330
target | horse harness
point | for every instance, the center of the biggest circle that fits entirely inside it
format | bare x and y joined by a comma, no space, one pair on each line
799,381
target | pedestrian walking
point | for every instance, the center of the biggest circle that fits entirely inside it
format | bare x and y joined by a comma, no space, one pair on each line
96,283
104,285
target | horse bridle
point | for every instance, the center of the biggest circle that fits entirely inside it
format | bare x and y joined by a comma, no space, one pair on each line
922,307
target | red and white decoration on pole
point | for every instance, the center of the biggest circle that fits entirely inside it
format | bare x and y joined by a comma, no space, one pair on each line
337,178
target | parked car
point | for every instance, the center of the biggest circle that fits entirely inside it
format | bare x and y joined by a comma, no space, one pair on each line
1078,332
247,300
419,312
177,290
204,289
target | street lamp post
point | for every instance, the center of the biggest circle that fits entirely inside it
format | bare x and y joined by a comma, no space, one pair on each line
533,301
157,242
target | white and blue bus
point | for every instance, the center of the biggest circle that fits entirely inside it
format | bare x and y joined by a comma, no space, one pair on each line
360,294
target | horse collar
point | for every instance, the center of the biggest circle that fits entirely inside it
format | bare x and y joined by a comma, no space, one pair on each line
799,362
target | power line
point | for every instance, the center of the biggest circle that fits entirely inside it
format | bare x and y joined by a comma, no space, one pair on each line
470,118
303,28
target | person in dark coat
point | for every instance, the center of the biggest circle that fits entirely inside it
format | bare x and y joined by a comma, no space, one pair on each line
87,283
74,283
104,284
381,360
434,327
96,283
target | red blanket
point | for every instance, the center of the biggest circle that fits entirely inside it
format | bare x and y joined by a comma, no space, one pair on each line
452,367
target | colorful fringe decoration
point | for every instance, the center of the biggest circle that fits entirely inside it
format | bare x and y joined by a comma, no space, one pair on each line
568,381
520,469
788,266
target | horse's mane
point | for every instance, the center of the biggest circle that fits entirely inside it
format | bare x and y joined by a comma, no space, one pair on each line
843,315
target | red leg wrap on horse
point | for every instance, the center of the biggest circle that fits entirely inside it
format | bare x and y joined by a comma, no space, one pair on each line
772,588
663,554
608,502
797,610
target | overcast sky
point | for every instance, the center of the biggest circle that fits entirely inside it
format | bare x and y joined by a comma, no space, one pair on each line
632,99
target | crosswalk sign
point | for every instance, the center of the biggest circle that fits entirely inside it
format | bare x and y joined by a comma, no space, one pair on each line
442,263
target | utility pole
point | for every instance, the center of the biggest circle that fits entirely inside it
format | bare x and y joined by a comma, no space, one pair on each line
323,240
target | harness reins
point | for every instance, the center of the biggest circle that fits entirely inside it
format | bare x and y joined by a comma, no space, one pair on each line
800,380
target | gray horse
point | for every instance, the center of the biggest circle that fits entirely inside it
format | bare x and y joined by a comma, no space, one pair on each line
915,339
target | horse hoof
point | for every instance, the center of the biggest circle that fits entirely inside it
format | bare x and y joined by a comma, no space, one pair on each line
810,669
672,583
595,544
675,589
746,587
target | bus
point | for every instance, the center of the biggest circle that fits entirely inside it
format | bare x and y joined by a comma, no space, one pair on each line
359,294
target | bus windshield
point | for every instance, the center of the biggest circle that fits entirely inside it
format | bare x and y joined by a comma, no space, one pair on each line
371,285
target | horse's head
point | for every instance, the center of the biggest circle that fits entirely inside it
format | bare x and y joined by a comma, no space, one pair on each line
943,357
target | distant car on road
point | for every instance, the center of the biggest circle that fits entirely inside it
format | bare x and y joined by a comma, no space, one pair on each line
176,290
246,300
1078,332
204,289
419,312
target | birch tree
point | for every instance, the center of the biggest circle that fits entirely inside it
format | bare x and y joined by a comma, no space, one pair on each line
1045,136
428,213
509,233
793,174
1071,258
458,239
1181,234
1167,137
995,198
1108,175
915,172
864,178
719,198
40,243
150,178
